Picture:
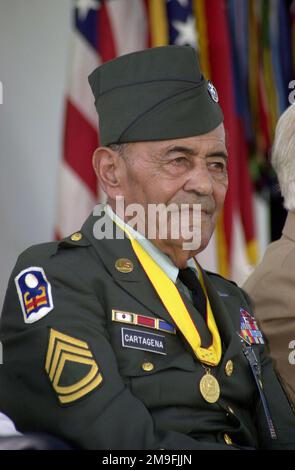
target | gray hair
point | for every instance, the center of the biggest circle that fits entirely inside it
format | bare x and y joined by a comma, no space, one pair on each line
120,148
283,156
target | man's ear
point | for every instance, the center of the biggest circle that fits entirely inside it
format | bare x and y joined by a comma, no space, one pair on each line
106,165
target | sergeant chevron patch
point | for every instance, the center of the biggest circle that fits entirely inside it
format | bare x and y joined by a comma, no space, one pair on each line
72,370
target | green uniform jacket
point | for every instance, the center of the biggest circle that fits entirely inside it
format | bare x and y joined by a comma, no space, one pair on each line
72,374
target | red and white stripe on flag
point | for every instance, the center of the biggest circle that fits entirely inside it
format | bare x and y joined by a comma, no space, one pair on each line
101,31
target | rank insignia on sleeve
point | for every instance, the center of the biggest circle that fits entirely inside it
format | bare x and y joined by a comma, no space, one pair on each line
71,367
34,293
249,328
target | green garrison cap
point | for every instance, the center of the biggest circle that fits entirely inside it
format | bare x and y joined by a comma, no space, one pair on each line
154,94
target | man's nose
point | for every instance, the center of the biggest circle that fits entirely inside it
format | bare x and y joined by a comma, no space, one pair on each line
199,180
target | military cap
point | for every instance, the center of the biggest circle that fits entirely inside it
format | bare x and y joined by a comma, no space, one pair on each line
154,94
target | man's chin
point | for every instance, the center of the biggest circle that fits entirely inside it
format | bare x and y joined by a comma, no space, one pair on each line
189,245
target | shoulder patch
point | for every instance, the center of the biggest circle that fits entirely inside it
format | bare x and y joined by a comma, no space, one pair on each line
71,367
34,293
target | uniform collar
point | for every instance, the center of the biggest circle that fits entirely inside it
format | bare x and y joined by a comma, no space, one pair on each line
157,255
135,281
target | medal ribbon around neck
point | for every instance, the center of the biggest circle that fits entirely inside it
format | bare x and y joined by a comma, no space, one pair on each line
174,304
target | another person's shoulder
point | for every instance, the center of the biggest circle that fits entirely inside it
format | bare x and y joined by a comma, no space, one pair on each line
276,265
279,254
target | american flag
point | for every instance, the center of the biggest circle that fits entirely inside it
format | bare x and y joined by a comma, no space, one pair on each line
103,30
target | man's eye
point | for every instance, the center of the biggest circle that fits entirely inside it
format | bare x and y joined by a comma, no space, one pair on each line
218,166
178,160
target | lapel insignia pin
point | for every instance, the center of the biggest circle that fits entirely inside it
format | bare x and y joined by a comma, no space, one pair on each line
124,265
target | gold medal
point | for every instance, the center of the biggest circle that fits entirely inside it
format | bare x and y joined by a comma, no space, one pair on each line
209,387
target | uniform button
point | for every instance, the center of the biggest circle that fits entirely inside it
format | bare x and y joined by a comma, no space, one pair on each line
229,368
76,237
147,366
227,439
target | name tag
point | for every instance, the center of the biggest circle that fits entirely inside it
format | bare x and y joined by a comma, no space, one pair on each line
143,340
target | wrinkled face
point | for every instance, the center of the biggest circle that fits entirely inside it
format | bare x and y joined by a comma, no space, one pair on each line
190,171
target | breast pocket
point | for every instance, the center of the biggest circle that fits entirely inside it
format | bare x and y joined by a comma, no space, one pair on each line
156,365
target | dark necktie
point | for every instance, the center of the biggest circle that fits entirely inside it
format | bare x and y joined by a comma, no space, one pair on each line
191,281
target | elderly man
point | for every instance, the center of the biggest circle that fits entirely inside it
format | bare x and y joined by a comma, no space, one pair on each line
271,286
116,342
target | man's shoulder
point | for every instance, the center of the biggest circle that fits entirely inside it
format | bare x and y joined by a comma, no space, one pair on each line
57,256
217,279
46,276
38,251
48,250
227,289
